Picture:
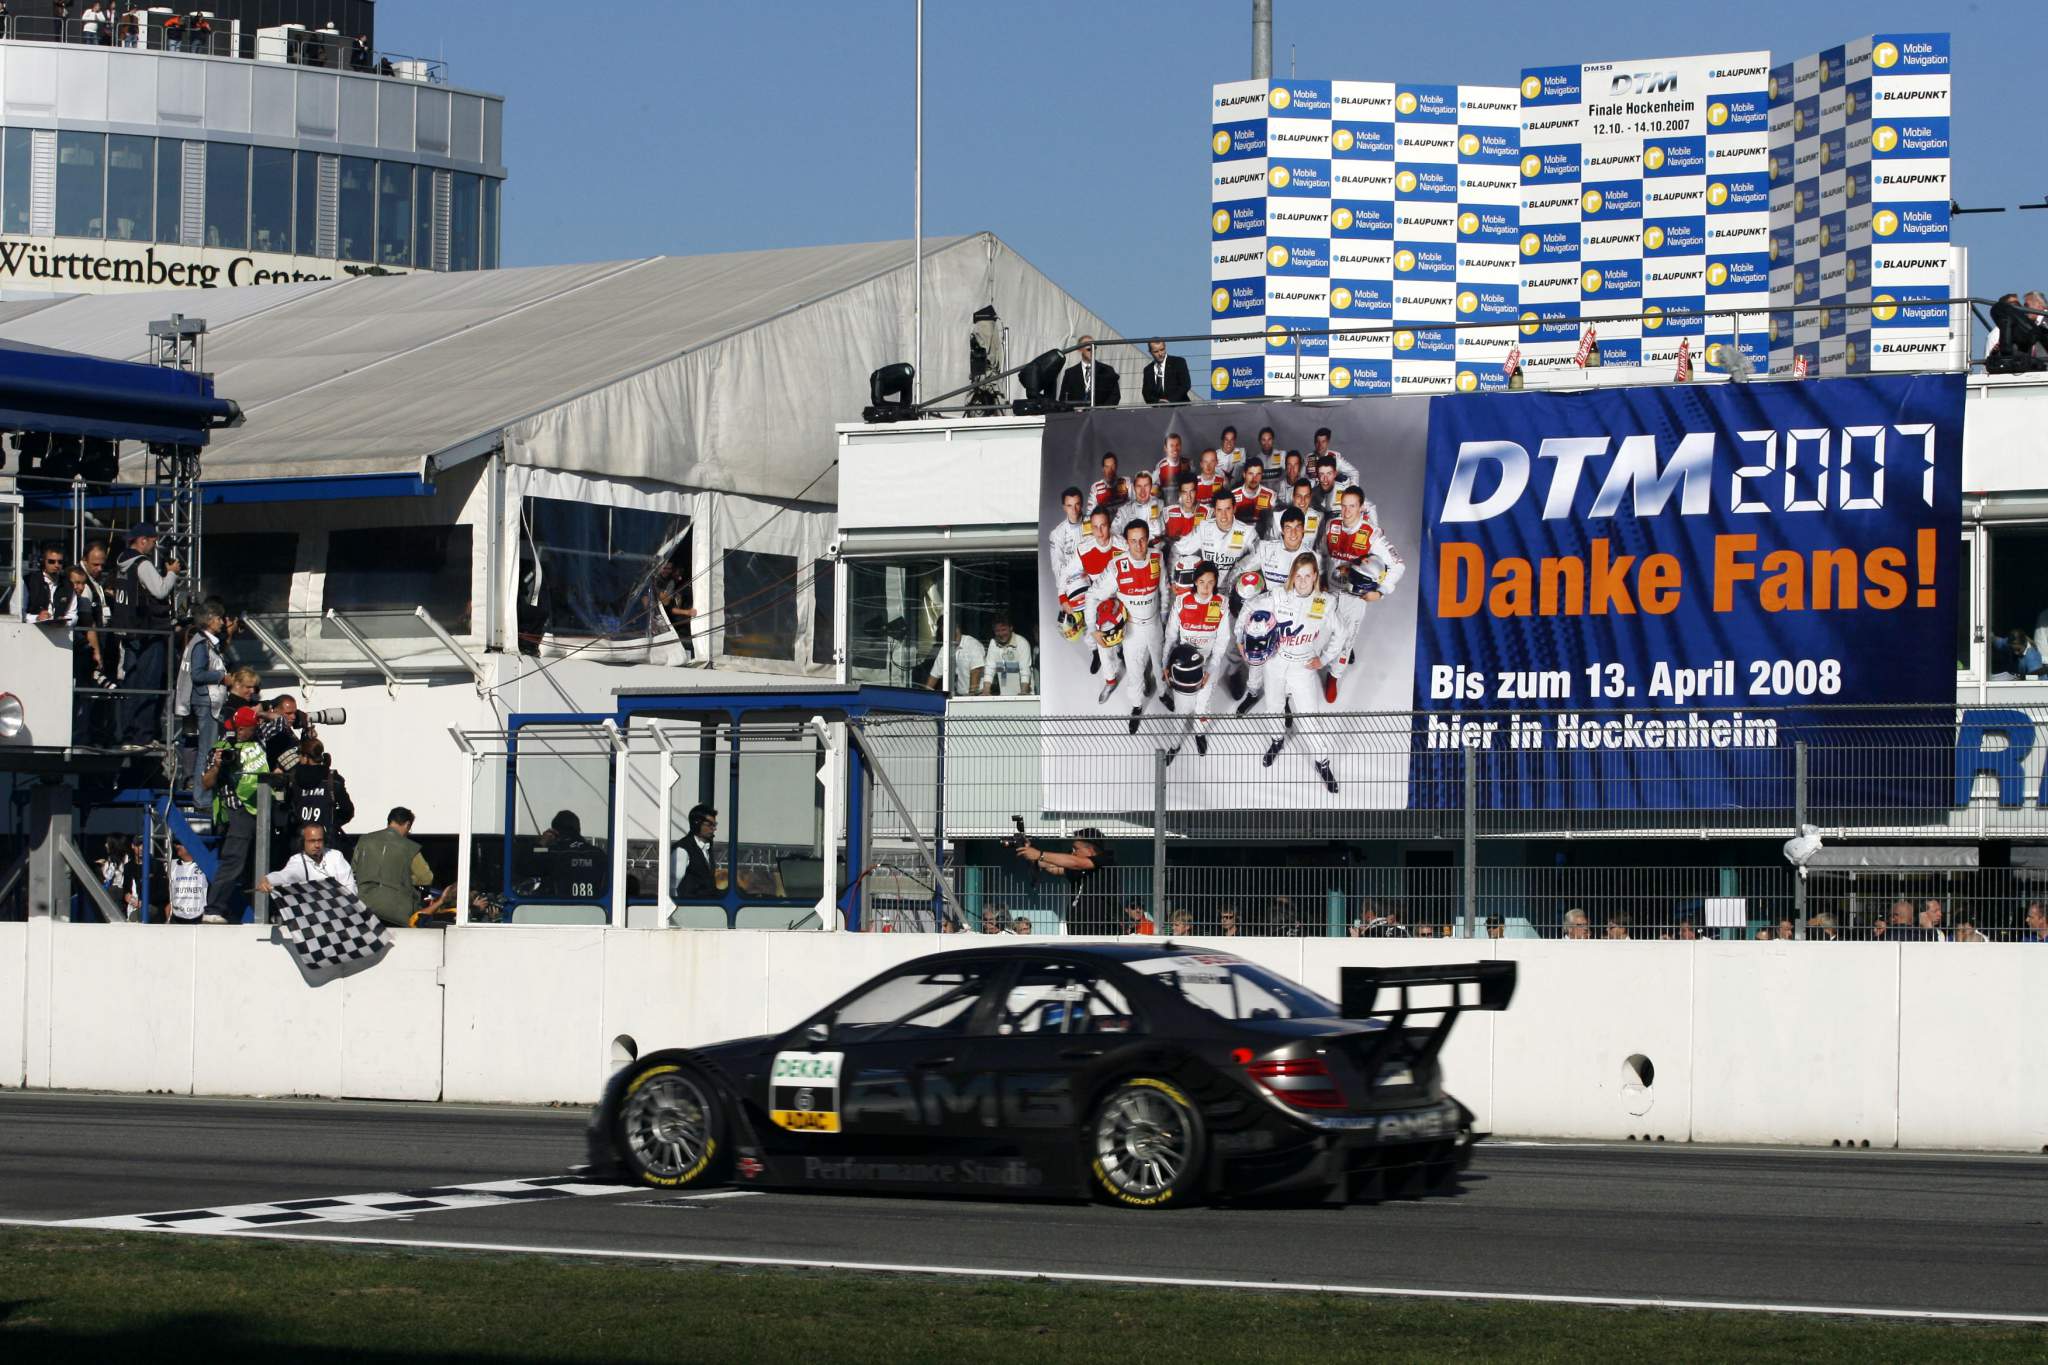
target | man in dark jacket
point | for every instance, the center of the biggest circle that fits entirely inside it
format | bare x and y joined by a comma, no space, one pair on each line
699,879
1166,377
1090,383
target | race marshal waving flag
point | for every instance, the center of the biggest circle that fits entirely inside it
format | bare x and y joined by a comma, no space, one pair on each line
328,929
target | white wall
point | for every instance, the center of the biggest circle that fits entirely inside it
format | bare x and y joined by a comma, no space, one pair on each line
1908,1045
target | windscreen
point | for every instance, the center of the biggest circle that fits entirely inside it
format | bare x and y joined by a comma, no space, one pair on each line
1235,989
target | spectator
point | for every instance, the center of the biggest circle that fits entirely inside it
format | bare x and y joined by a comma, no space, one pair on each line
968,658
1020,925
142,595
1496,927
699,880
2019,333
390,870
1898,925
1181,924
1931,921
1822,928
1962,930
1687,930
1088,381
1617,927
993,921
277,731
1092,909
243,685
1136,921
1226,922
576,868
1006,662
315,794
233,774
314,862
1763,935
47,597
486,908
94,656
188,888
1166,378
1576,925
120,870
202,686
97,24
1787,930
1426,931
359,54
1376,921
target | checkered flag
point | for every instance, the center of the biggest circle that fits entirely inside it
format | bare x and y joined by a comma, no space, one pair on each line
328,929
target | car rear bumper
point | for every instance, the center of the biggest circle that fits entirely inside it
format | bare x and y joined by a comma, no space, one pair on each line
1389,1155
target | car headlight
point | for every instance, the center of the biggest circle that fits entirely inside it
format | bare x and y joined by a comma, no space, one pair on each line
13,719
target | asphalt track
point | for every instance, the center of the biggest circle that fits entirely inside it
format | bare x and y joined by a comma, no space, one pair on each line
1937,1234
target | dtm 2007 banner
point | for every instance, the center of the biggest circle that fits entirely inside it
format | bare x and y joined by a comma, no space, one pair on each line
1610,599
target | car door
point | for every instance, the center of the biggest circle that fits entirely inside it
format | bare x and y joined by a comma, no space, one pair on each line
1053,1026
889,1072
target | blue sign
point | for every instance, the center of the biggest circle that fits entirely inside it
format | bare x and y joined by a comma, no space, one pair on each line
1229,141
1362,218
1356,300
1362,141
1361,376
1647,590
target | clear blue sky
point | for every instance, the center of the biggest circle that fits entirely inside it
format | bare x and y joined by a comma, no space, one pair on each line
1075,131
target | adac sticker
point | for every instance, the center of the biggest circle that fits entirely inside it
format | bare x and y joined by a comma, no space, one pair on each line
803,1091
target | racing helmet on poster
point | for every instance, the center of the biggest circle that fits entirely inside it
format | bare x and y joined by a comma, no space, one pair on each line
1184,668
1072,625
1110,620
1358,579
1247,584
1261,636
1074,587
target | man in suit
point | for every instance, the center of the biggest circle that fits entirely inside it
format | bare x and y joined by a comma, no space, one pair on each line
1090,383
1166,378
699,882
2018,335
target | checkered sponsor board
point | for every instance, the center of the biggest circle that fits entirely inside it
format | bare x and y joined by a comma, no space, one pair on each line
327,928
355,1208
1394,206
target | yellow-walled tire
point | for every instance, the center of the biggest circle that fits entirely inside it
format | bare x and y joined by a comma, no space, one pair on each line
1146,1146
669,1129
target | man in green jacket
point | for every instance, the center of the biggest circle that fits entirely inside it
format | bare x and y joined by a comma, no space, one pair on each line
390,870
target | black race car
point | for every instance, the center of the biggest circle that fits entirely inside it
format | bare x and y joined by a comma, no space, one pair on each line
1146,1075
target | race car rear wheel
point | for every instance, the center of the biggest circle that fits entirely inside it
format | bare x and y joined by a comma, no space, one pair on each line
670,1126
1146,1145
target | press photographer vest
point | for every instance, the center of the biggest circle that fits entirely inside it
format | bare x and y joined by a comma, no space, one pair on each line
134,606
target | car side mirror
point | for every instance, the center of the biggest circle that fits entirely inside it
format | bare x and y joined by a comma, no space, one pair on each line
816,1033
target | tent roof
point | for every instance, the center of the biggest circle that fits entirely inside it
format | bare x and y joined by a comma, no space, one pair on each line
724,372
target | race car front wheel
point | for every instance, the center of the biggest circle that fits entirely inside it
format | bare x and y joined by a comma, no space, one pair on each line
669,1129
1145,1145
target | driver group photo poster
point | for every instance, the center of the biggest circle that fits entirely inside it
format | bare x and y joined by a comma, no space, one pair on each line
1666,581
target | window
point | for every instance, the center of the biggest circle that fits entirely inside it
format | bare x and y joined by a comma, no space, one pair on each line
991,589
824,610
778,830
463,213
270,200
394,214
606,571
81,184
15,155
356,216
1966,654
760,606
2018,601
395,568
131,188
919,1004
423,218
1058,997
170,185
892,622
227,196
492,190
251,571
1235,989
306,206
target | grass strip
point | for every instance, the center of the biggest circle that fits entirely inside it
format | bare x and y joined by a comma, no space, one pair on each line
87,1295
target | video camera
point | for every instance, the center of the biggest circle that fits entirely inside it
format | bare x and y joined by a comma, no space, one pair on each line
1019,839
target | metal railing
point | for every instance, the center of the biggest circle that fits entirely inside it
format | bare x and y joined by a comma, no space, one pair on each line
146,29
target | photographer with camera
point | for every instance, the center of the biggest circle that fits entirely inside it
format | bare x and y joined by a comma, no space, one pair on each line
1092,909
142,602
237,767
314,793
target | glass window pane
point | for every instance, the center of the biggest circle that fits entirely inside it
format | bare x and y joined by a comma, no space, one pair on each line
912,1004
358,214
81,184
760,605
1056,997
611,572
170,183
227,196
394,214
824,609
14,179
996,596
306,205
777,832
2019,599
131,188
270,200
395,568
492,190
423,217
251,573
1965,572
463,211
892,619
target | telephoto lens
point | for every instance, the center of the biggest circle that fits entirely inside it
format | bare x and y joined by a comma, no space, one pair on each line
333,715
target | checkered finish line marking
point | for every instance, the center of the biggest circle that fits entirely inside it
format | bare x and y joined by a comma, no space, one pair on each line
355,1208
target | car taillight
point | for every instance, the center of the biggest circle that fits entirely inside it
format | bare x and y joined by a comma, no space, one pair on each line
1304,1083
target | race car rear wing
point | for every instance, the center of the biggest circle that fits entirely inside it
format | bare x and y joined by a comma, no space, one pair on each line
1359,988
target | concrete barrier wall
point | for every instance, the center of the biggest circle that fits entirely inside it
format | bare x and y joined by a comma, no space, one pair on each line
1907,1045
